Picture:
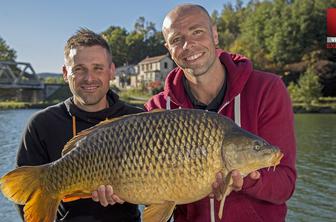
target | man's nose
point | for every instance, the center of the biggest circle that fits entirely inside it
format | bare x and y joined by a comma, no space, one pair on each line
188,43
89,75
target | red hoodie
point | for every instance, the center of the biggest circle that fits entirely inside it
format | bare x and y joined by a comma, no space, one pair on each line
265,110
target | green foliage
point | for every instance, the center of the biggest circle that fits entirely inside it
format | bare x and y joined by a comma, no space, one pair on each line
131,48
6,53
116,37
293,90
275,33
307,90
141,95
54,80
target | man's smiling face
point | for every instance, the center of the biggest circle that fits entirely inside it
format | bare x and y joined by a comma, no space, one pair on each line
191,40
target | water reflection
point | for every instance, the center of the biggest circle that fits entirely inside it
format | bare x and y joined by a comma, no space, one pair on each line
314,197
12,123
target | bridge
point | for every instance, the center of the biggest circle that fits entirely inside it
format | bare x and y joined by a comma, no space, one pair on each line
18,81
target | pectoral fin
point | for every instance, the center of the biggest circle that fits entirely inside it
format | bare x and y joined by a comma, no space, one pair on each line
158,212
226,191
76,195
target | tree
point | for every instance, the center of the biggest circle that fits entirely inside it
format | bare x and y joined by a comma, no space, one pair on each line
307,90
155,45
131,48
136,47
116,38
252,41
6,53
228,24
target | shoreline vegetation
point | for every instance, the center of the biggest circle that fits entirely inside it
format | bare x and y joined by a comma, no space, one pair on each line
323,105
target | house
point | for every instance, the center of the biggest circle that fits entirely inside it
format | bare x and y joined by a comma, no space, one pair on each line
153,69
123,76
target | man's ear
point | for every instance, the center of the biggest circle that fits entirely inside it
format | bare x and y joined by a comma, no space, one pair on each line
65,73
112,71
167,47
215,34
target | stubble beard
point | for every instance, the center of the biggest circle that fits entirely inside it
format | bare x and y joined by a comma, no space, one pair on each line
199,70
90,99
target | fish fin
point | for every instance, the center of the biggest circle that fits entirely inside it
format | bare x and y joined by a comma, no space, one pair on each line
226,191
71,144
76,196
23,186
158,212
157,110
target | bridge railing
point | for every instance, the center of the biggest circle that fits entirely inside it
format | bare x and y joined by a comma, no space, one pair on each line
18,75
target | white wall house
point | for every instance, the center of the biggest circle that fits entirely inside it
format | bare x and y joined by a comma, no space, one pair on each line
124,75
154,69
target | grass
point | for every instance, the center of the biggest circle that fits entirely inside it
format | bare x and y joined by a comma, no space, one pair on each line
323,105
24,105
134,94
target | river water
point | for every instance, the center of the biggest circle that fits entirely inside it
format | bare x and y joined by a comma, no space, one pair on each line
315,195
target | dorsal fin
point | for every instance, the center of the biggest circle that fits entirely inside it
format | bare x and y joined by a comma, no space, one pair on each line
71,144
157,110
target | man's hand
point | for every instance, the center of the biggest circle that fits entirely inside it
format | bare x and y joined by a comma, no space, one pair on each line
237,182
105,196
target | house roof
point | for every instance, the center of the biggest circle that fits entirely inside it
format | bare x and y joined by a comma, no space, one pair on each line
153,59
127,70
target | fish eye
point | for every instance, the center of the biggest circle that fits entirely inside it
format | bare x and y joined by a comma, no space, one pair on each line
257,146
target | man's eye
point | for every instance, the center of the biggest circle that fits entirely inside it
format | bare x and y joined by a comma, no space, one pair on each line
176,40
78,70
197,32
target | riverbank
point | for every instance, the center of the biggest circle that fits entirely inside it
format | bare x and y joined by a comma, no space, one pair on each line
6,105
23,105
138,101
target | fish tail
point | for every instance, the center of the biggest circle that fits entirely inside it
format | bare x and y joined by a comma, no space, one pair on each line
23,186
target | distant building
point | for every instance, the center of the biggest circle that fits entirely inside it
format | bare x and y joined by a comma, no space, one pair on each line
153,69
124,75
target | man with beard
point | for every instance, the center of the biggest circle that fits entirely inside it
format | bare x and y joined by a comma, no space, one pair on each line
88,70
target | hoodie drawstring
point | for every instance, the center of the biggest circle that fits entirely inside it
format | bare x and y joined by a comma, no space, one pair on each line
74,133
237,110
212,209
237,119
168,103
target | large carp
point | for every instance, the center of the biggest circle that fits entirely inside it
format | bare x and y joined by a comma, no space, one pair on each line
159,159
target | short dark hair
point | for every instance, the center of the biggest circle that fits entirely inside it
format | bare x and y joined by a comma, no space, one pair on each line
85,37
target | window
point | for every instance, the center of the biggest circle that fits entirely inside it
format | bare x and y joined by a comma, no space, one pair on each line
166,65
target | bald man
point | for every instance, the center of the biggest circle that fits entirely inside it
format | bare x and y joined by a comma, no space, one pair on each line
211,79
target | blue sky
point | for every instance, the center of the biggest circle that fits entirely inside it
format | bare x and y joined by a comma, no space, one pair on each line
38,29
